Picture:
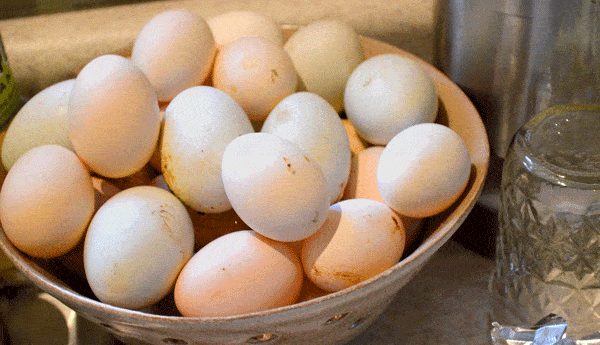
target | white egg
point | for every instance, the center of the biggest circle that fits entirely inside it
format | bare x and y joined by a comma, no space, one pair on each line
423,170
229,26
136,245
360,239
42,120
175,49
325,53
386,94
241,272
274,187
310,122
198,124
113,115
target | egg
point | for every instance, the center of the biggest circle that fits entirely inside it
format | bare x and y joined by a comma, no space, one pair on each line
362,180
136,245
325,53
274,187
257,73
175,50
360,239
310,122
423,170
47,201
238,273
199,123
229,26
362,184
42,120
357,144
388,93
113,116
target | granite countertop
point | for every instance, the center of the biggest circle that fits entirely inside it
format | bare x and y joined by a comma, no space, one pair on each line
447,301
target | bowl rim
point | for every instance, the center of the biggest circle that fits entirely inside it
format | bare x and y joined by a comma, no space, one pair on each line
430,244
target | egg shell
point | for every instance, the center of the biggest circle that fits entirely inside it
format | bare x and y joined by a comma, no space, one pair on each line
341,253
362,184
357,144
208,226
423,170
42,120
199,123
257,73
175,50
46,202
238,273
310,122
136,245
113,115
362,180
229,26
388,93
325,53
274,187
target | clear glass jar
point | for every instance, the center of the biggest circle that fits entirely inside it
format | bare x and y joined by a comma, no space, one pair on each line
548,244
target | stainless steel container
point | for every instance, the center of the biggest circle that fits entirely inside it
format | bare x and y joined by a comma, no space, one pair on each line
515,58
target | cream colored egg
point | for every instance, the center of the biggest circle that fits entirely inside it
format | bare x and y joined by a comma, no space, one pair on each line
357,144
310,122
274,187
47,201
362,181
257,73
362,184
388,93
199,123
423,170
238,273
42,120
229,26
360,239
136,245
325,53
175,49
113,115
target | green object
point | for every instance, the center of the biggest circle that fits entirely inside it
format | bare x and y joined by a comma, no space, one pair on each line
9,94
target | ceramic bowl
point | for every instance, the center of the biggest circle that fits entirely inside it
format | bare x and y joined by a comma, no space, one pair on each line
334,318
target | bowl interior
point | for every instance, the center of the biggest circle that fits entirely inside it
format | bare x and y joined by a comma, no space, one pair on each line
455,111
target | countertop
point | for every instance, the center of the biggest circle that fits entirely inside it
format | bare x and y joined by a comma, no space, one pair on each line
446,303
45,49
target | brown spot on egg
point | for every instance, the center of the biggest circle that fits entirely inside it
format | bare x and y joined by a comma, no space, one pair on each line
350,277
289,166
274,75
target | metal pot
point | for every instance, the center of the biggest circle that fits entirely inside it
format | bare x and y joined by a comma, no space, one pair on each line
515,58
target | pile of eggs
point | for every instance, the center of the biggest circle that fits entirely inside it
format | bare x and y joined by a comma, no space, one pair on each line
214,164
